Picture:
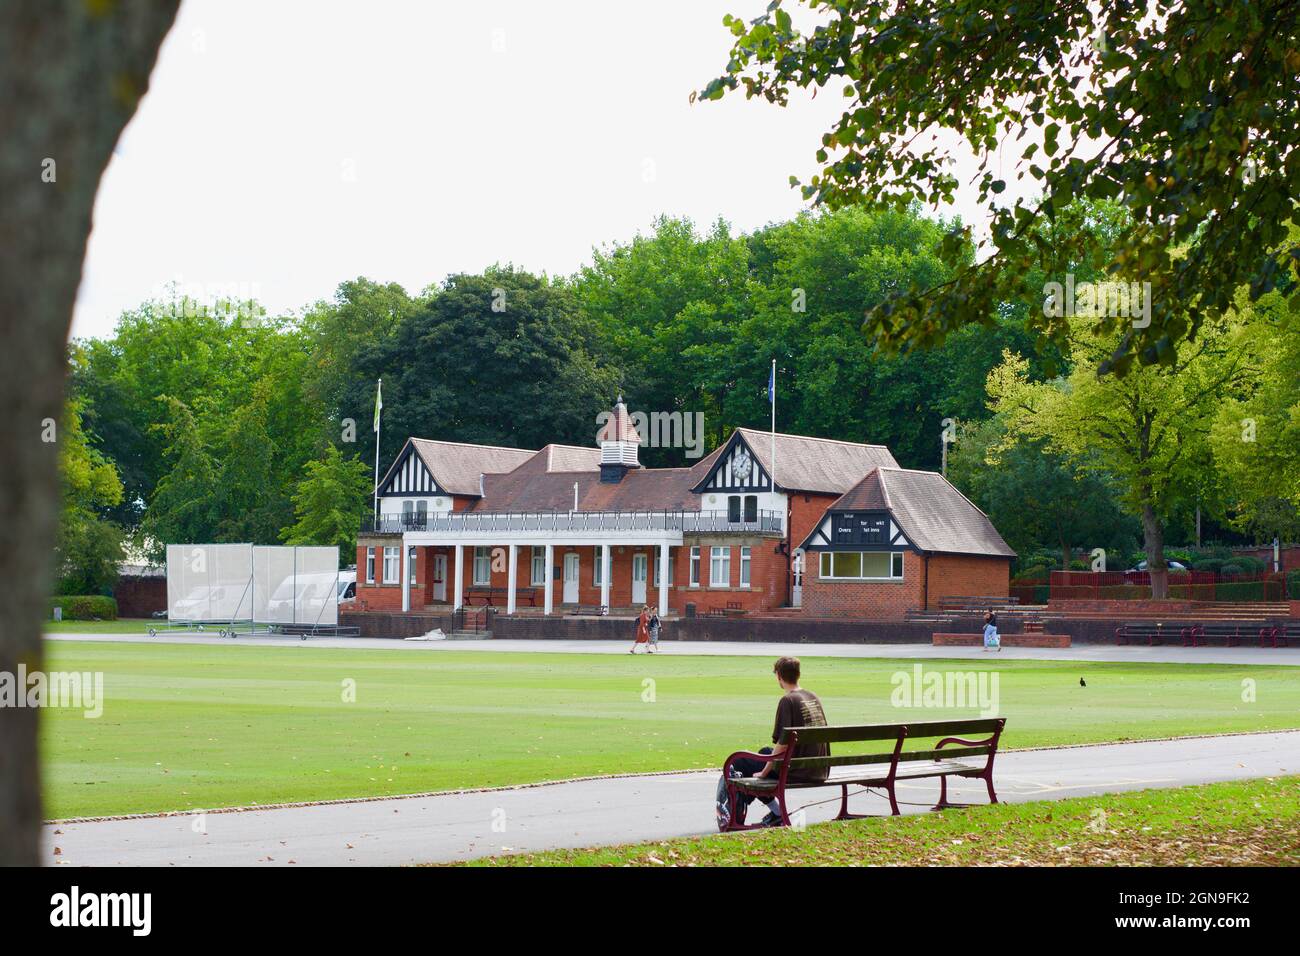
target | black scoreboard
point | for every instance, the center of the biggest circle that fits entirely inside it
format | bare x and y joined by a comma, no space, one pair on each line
856,528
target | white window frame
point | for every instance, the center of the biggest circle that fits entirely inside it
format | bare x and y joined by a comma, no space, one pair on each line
410,563
392,562
826,560
537,572
370,565
746,560
482,561
695,566
655,558
720,554
597,566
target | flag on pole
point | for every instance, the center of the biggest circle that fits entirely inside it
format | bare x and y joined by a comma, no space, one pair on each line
379,402
771,385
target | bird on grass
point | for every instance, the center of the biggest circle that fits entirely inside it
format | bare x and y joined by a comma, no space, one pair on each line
1082,682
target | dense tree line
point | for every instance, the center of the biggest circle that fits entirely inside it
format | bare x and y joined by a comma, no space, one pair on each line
217,422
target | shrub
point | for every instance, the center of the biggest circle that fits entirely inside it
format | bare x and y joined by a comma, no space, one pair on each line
1231,570
85,607
1250,564
1293,585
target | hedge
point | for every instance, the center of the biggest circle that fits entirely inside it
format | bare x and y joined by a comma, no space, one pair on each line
85,607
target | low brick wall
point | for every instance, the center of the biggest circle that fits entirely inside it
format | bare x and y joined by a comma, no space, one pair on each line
398,626
1008,640
757,630
140,596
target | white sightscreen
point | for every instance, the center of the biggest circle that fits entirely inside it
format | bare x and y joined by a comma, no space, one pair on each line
240,582
209,582
316,585
273,585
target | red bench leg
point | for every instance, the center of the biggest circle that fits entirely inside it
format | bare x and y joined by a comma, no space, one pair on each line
943,803
988,780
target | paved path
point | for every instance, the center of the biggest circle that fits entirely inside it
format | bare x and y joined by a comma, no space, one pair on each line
1083,652
614,810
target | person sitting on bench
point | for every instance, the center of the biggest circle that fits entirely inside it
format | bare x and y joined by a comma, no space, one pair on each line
797,708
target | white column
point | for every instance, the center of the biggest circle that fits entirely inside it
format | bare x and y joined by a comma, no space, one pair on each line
512,577
663,581
549,604
405,571
604,575
458,597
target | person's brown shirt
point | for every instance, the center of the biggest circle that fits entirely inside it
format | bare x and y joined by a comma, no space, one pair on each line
801,708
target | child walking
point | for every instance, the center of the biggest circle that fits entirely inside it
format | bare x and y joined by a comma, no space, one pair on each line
991,637
652,625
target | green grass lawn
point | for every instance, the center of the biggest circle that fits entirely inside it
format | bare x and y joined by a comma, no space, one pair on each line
1255,823
125,625
199,726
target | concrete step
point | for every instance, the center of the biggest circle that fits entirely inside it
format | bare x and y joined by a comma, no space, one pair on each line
469,635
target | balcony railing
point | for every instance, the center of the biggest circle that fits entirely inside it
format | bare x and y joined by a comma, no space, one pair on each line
569,522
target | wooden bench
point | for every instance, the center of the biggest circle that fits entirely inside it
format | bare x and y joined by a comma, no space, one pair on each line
873,768
733,609
489,596
590,610
1153,632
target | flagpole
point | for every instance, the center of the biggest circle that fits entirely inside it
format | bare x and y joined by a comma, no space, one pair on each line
772,379
379,407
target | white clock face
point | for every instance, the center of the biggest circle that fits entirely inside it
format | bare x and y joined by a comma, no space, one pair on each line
740,463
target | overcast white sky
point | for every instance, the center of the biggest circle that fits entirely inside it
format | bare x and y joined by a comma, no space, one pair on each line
286,146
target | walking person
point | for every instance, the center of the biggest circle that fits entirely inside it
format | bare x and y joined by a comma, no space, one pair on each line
642,631
653,626
991,637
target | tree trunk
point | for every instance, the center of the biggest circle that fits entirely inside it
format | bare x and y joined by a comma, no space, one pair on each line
1154,544
73,73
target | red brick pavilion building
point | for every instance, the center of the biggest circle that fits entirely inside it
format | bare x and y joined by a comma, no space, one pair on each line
833,528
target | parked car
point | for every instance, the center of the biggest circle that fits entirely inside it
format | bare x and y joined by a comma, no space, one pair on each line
1171,565
347,586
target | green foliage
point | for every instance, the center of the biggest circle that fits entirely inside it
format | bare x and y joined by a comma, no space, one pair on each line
502,358
85,607
88,546
1034,494
1148,431
329,503
1189,118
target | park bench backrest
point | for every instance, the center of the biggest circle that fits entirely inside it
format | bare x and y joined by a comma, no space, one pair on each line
952,732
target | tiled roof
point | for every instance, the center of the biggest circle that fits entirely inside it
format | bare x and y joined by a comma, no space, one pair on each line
456,466
933,514
619,426
653,489
819,465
